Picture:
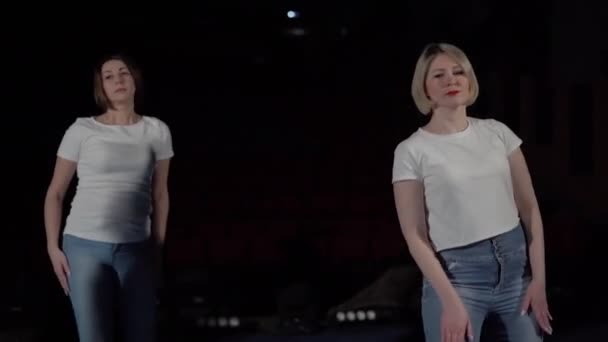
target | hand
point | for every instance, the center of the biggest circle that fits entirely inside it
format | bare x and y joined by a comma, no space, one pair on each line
60,267
455,323
537,299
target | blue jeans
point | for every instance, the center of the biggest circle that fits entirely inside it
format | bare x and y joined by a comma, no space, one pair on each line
111,284
491,278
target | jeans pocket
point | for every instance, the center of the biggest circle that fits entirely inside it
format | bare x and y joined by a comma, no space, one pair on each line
451,267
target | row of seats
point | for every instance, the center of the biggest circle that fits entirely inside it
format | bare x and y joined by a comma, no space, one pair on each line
334,237
252,205
285,241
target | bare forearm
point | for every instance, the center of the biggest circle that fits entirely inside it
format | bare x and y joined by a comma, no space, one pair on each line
53,209
425,258
529,212
409,201
536,245
159,220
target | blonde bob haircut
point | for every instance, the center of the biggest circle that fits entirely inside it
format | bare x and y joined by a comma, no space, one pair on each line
419,93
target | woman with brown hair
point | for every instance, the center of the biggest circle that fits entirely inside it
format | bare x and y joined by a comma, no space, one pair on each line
117,221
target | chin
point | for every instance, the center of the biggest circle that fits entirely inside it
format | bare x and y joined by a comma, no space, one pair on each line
122,99
454,104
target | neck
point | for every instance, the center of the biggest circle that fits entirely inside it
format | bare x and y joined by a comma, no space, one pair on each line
448,120
121,115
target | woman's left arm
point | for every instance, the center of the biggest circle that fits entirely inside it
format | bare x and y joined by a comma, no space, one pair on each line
529,211
160,198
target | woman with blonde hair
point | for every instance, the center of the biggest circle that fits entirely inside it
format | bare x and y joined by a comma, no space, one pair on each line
468,211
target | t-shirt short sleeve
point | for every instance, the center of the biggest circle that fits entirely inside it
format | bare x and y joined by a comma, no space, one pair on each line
508,137
69,148
405,166
163,145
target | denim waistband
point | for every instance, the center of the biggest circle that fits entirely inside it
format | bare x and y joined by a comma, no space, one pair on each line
504,245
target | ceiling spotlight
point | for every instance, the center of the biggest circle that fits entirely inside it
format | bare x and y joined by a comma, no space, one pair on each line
293,14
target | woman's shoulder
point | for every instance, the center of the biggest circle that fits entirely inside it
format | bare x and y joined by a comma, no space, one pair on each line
82,123
155,121
492,126
410,143
489,123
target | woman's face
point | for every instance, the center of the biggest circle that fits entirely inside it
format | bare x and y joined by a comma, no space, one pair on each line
446,83
118,83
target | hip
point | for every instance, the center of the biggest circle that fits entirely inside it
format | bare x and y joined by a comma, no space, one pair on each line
497,261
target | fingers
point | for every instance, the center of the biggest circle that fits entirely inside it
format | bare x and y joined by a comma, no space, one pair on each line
447,335
66,267
64,284
63,280
542,316
458,335
525,305
62,271
469,331
66,275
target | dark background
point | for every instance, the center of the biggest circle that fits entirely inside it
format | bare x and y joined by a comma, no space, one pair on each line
284,131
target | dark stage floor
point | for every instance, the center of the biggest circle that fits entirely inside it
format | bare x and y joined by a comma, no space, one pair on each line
41,313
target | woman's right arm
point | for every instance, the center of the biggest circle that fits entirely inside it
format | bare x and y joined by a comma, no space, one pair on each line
409,202
53,203
53,213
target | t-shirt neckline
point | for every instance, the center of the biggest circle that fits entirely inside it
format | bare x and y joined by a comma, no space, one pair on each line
448,135
141,119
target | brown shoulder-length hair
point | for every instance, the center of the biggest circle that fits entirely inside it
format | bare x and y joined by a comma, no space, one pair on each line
101,98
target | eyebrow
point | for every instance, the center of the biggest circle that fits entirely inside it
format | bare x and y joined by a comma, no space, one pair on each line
455,66
121,69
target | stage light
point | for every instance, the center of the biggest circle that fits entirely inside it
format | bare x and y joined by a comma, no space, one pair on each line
365,316
234,322
219,322
222,322
293,14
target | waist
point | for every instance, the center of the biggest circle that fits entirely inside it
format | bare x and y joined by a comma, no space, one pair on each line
512,242
108,230
111,203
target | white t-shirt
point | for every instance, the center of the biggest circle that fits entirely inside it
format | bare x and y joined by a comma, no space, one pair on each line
467,180
115,164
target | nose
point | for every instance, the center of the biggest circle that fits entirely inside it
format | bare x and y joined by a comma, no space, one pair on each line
450,79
